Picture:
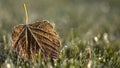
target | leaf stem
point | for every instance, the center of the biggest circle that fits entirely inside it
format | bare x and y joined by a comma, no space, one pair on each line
26,13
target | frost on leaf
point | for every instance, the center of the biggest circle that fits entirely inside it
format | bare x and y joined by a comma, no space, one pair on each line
28,40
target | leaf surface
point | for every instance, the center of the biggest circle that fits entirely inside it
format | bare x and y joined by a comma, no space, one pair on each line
28,40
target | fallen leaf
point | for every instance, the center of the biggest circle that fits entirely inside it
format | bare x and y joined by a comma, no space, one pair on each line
30,39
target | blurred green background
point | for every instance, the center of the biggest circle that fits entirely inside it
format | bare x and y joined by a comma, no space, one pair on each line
85,17
74,20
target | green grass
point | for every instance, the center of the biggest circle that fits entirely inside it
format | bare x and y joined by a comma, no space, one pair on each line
75,54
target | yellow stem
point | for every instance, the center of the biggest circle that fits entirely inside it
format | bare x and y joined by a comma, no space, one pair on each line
26,13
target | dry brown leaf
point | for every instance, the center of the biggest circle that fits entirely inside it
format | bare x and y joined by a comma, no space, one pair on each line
28,40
